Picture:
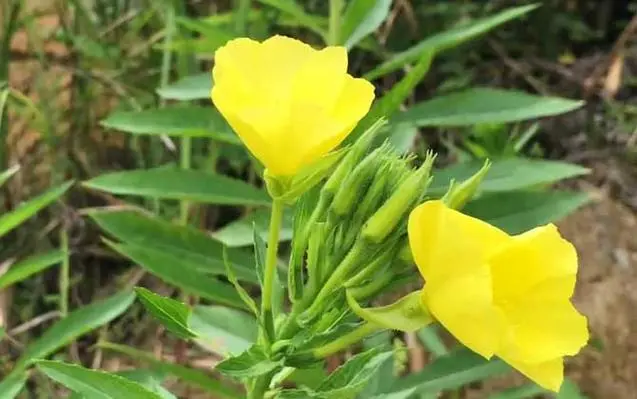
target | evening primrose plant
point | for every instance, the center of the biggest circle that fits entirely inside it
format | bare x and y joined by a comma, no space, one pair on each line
498,294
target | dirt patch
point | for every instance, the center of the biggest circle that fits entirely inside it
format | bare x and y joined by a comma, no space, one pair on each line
604,234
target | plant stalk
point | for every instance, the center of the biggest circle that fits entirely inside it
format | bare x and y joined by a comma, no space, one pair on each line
276,218
333,35
361,332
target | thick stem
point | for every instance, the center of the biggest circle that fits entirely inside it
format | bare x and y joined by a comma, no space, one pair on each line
346,340
276,217
336,6
260,385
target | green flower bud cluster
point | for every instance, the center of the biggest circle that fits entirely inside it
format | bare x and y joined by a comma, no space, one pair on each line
353,235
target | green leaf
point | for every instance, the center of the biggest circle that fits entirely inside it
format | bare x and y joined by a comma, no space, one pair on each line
166,266
222,330
30,266
7,174
240,232
251,363
431,340
194,248
149,379
11,386
186,375
76,324
407,314
362,18
182,121
13,219
172,314
448,39
243,294
521,392
94,384
294,10
195,87
519,211
180,184
506,174
484,105
570,390
448,372
350,379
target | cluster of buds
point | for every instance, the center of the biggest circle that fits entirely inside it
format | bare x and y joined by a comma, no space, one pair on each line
350,233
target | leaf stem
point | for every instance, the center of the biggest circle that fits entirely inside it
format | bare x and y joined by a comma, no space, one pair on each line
276,217
333,35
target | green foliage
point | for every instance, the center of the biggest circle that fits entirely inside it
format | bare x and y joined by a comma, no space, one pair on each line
30,266
172,314
254,362
94,384
223,330
11,386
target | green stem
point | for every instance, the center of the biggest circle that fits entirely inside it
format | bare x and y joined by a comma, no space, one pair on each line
333,35
276,217
185,158
241,17
346,340
64,274
260,385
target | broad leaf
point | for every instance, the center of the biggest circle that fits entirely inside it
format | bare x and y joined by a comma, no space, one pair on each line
172,314
186,375
166,267
180,184
506,174
240,232
11,386
431,341
222,330
484,105
149,379
13,219
448,372
94,384
189,121
249,364
195,87
448,39
350,379
76,324
30,266
518,211
195,249
362,18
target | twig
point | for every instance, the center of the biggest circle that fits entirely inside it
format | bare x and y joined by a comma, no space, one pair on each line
36,321
518,68
592,81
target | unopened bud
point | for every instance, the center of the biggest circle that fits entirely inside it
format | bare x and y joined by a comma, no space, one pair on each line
459,194
352,158
385,220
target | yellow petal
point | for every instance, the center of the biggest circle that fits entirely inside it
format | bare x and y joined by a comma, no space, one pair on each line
464,306
320,80
446,243
540,331
530,259
548,375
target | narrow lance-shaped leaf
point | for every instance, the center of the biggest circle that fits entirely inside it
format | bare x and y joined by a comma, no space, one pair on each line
448,39
172,314
195,87
12,385
186,375
30,266
76,324
484,105
13,219
180,184
94,384
222,330
362,18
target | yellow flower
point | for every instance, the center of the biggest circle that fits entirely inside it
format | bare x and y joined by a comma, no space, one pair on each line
289,103
498,294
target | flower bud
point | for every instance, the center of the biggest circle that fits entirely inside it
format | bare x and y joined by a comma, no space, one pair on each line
385,220
354,185
459,194
352,158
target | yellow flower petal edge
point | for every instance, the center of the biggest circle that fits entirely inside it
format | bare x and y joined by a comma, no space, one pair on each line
289,103
498,294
